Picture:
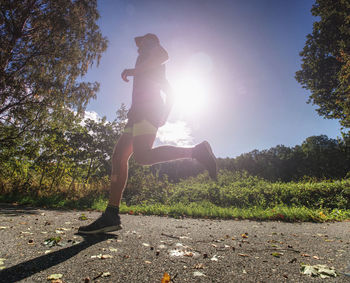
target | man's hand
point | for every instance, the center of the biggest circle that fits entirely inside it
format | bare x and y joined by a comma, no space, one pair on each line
127,73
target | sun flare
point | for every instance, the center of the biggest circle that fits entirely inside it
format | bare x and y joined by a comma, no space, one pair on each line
191,86
191,95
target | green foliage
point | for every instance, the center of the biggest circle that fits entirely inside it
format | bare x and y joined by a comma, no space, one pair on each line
318,156
46,47
144,187
325,65
243,191
209,210
73,160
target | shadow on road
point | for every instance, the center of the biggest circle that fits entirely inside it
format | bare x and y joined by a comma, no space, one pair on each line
10,210
30,267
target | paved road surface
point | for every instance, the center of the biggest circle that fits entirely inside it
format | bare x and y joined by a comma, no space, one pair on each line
189,250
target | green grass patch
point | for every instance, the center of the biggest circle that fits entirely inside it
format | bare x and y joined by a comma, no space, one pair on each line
195,209
208,210
234,196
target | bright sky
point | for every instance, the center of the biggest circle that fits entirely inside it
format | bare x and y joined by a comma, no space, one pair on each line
233,61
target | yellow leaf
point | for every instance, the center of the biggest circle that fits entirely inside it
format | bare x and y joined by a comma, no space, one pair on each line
54,276
166,278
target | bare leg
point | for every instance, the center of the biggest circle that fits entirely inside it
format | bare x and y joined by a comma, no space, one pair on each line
144,154
120,158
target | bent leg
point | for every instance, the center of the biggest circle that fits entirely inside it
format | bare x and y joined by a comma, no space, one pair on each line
144,154
121,154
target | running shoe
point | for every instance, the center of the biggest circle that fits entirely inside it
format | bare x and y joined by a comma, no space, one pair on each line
203,154
105,223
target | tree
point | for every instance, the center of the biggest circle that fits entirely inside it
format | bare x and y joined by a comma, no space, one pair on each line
325,69
46,46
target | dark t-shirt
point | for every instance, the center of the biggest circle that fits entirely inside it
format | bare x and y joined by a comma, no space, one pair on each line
147,102
147,85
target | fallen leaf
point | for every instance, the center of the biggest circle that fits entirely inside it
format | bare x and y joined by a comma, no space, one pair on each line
305,255
145,244
53,241
101,256
2,266
148,262
199,266
176,253
188,254
106,256
214,258
106,274
113,249
166,278
318,270
26,233
197,274
54,276
245,255
245,235
277,254
316,257
82,217
293,260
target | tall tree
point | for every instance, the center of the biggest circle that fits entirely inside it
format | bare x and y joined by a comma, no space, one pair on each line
46,46
325,69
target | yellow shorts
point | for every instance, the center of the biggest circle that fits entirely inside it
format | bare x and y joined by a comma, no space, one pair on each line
140,128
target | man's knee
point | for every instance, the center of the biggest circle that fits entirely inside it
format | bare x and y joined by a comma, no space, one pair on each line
122,150
120,156
141,157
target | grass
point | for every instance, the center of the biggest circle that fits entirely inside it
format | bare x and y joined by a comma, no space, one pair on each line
234,196
194,209
208,210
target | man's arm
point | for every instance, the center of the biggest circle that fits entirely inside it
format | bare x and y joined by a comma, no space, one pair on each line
157,57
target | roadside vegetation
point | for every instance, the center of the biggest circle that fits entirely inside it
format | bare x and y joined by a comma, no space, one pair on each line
234,196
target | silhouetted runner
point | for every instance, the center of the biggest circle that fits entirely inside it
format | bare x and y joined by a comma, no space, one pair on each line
147,113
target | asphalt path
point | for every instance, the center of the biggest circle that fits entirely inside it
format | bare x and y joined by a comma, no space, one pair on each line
36,243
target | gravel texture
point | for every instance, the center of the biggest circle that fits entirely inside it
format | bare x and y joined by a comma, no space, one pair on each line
189,250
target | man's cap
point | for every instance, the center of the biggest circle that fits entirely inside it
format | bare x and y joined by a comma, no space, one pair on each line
148,36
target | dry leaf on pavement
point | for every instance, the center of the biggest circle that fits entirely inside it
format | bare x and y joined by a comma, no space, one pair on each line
54,276
166,278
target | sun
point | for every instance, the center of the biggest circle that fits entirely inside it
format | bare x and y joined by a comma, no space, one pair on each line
190,94
191,86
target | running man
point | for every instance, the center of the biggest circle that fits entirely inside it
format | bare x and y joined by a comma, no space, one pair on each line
147,113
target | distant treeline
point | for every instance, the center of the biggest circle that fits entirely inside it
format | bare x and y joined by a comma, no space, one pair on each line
317,157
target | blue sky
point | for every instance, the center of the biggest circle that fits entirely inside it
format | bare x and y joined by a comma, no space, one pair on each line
243,54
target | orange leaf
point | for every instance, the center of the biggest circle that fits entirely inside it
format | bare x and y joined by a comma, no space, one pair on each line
166,278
